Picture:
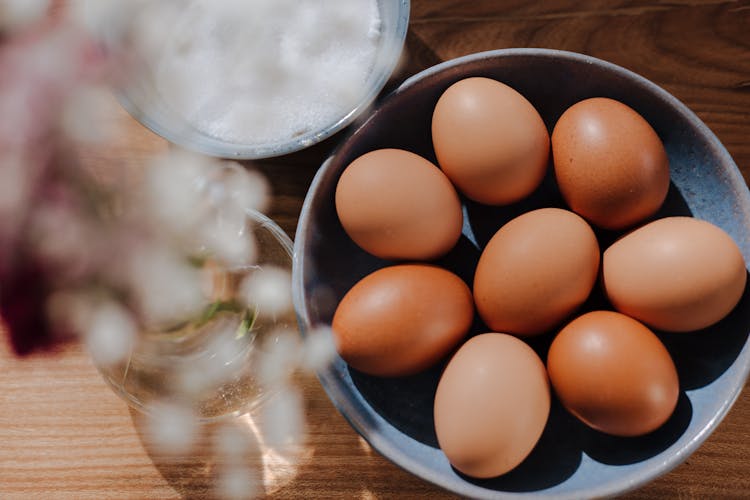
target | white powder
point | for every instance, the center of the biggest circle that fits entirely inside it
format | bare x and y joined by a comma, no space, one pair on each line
259,71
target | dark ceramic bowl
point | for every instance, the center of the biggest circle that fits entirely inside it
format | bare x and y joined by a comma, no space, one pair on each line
570,460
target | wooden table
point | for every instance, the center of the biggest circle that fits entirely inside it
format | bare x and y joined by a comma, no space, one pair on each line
64,434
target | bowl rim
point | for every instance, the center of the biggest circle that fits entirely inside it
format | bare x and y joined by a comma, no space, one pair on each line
363,424
212,146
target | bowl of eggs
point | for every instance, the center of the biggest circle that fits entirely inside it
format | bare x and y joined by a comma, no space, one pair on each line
534,263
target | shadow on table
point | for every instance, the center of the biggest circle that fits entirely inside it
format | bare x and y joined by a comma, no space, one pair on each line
228,458
334,460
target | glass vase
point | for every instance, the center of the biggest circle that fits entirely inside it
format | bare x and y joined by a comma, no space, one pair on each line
210,364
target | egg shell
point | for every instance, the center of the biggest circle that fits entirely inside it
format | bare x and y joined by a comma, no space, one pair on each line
397,205
490,141
536,271
492,404
402,319
676,274
613,373
609,163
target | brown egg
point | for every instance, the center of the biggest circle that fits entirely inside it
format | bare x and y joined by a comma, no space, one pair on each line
401,319
613,373
676,274
536,271
490,141
397,205
609,162
491,405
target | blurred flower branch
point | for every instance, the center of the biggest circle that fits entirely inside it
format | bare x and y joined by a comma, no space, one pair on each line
110,262
43,61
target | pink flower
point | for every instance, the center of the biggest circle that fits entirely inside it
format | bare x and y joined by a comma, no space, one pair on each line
40,67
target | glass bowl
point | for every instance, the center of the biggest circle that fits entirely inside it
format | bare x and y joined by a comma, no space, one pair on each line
140,97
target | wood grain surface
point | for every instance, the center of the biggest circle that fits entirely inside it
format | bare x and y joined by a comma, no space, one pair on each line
64,434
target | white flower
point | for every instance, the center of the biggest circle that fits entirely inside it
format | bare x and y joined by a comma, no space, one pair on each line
279,357
270,289
18,14
283,419
63,239
111,334
174,189
202,203
70,310
105,20
236,482
167,287
170,428
248,189
227,238
148,25
86,114
319,349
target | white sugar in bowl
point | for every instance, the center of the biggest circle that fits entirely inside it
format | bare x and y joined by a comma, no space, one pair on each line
252,79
